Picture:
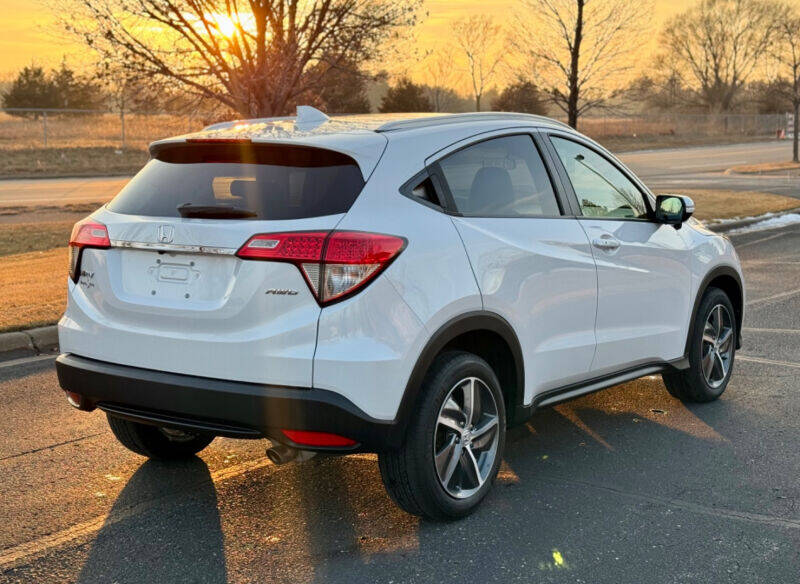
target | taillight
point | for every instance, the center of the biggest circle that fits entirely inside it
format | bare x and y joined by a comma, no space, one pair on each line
85,233
335,264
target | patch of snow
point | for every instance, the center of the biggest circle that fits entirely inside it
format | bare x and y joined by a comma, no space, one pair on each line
737,219
769,223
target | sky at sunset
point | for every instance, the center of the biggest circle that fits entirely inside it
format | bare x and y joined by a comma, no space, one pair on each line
30,34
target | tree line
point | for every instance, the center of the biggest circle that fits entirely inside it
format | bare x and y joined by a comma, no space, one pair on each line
261,58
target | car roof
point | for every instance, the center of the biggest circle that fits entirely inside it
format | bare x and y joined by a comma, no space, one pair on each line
362,136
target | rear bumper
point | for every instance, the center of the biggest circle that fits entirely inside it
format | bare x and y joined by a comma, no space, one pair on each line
225,408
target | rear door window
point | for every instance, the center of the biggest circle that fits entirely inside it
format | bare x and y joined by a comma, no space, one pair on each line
242,181
501,177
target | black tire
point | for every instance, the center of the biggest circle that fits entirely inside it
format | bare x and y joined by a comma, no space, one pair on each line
690,384
155,442
409,473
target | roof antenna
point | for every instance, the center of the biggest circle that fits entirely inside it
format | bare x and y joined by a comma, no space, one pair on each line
310,116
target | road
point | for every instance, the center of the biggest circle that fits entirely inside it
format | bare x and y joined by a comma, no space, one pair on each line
58,191
689,168
704,167
626,485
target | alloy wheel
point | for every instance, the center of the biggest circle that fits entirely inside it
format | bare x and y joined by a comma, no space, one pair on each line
716,349
466,438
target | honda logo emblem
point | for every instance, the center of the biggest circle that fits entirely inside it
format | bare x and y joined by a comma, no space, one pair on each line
165,233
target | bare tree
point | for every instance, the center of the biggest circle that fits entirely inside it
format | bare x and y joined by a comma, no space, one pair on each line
441,74
787,54
577,50
478,37
257,57
719,45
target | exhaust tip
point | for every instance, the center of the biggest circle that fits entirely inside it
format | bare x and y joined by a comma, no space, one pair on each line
79,402
281,454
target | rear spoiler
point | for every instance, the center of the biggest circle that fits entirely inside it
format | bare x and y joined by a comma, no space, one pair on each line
364,150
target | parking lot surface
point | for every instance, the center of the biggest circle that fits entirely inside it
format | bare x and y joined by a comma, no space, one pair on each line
625,485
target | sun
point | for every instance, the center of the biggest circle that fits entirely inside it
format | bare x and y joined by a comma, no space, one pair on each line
225,25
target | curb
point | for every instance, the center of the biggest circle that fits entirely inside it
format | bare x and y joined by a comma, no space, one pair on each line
731,225
37,340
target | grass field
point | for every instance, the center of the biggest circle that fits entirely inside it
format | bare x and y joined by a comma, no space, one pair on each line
779,168
721,204
76,161
34,288
33,255
21,238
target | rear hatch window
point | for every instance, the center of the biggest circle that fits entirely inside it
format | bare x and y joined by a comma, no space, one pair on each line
242,181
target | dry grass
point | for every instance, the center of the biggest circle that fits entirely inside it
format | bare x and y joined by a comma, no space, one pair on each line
34,288
790,168
65,214
725,204
20,238
78,161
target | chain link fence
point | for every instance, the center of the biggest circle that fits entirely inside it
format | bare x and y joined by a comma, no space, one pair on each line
687,125
23,128
52,128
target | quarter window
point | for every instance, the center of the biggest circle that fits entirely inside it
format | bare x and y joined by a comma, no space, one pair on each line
602,190
502,177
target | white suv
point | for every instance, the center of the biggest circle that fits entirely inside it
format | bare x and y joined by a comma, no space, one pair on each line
407,286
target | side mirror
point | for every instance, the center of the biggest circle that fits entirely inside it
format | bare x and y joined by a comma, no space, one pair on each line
673,209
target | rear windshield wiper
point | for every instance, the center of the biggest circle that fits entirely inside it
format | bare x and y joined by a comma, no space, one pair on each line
188,211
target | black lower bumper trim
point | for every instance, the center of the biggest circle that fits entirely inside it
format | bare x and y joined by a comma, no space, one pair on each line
227,408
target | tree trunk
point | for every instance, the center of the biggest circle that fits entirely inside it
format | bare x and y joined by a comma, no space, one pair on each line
477,103
795,138
574,89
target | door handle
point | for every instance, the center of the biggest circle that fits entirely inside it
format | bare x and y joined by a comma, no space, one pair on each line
606,242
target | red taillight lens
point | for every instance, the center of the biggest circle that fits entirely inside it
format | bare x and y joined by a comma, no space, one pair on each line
334,264
287,247
85,233
308,438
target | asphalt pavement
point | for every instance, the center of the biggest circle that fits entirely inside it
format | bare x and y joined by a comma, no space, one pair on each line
704,167
675,168
626,485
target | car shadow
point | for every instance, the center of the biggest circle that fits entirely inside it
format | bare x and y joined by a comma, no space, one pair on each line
147,538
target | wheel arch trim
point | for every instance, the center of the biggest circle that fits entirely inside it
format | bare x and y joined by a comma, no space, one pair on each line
479,320
726,271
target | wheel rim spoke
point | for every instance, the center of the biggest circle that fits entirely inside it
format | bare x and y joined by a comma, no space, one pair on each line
470,401
720,362
483,432
473,466
448,422
718,320
447,460
725,340
708,364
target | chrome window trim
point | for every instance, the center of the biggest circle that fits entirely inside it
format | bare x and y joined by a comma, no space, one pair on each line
173,247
